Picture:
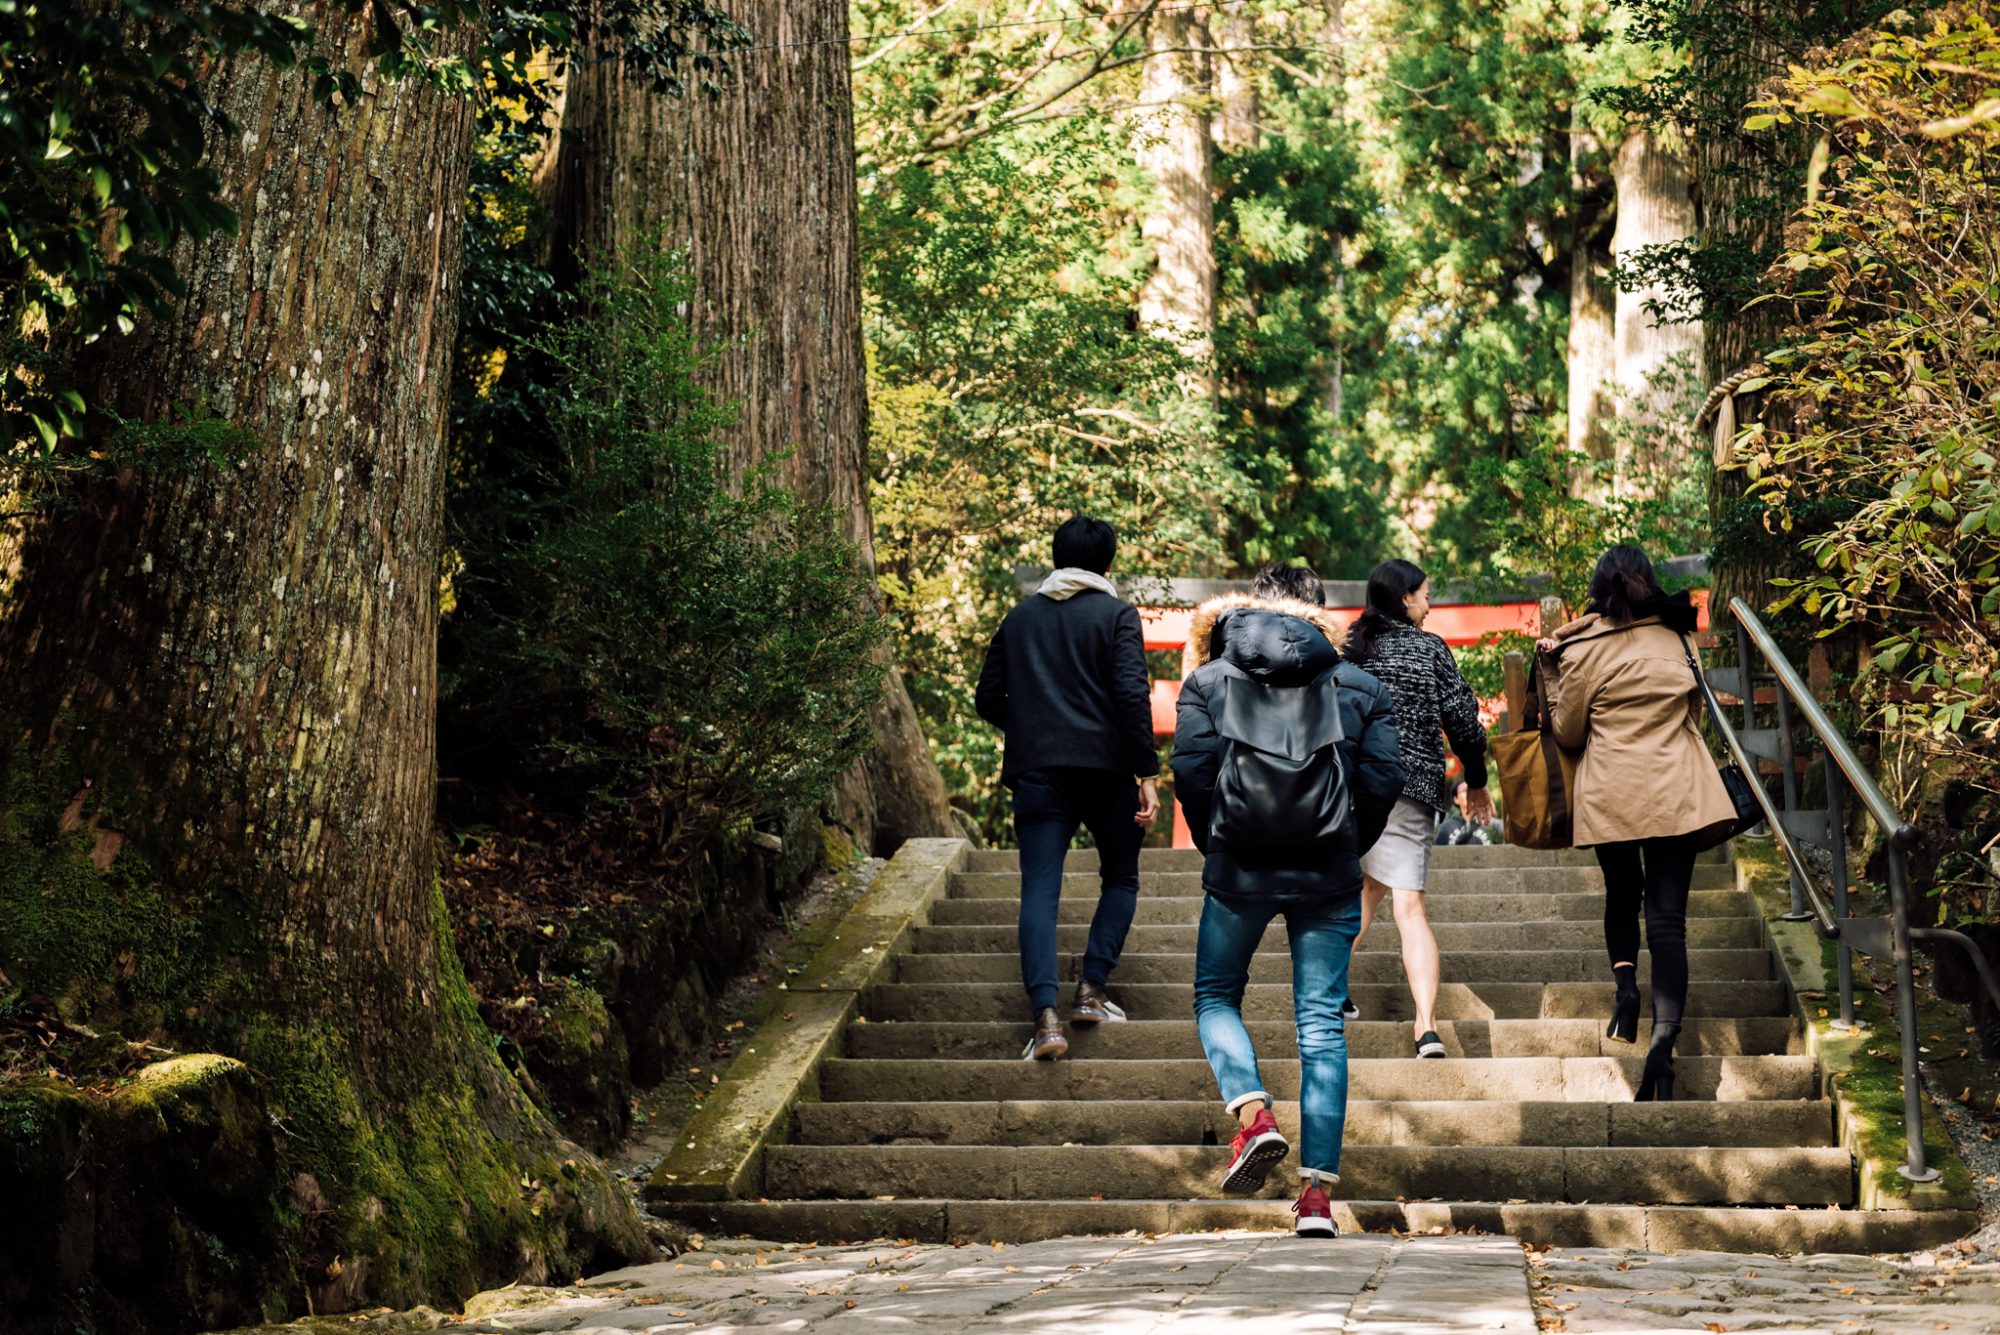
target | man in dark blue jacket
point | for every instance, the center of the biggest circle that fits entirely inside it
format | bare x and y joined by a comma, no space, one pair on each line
1065,680
1269,651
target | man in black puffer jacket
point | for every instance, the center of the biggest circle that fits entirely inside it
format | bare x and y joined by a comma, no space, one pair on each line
1281,637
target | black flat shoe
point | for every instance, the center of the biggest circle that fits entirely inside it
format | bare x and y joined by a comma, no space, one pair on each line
1656,1082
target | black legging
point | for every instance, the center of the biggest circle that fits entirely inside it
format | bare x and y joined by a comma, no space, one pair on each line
1657,874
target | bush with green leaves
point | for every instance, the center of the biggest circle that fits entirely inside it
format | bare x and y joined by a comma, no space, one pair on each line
1891,278
634,626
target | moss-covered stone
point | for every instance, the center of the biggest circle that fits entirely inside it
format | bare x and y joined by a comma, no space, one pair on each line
299,1167
1863,1068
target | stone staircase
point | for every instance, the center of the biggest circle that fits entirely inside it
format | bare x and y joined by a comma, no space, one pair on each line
928,1125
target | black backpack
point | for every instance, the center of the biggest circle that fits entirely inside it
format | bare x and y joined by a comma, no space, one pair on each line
1282,786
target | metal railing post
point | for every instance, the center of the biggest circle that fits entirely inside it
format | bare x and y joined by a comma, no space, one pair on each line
1836,821
1789,782
1749,684
1906,1006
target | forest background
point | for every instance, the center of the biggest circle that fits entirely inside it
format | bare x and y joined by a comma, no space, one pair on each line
496,498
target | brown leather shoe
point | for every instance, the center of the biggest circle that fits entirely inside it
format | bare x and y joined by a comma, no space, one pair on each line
1048,1042
1092,1006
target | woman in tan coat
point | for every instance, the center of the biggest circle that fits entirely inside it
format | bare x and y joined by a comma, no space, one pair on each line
1647,796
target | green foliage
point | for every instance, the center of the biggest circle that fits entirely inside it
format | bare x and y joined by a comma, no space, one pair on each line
1008,390
103,125
1710,59
629,629
1888,280
106,132
1473,112
1302,328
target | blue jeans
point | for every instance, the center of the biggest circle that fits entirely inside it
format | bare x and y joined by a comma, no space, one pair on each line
1322,940
1049,805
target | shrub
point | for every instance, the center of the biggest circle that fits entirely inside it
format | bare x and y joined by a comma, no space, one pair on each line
636,627
1891,273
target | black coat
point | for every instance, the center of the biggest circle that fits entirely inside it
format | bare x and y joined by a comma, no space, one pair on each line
1065,680
1281,649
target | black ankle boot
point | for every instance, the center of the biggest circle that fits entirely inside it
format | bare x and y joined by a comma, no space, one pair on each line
1656,1082
1624,1024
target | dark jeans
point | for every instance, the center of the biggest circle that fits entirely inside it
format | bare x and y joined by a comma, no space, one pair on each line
1049,805
1653,874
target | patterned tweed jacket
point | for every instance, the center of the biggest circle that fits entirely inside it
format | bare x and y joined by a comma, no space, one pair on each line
1433,703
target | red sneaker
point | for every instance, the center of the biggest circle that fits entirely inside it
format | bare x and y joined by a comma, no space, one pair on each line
1315,1215
1256,1148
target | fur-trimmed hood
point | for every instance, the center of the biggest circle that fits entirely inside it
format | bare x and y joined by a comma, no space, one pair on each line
1201,628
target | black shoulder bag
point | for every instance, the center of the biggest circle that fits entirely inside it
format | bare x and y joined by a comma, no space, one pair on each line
1734,781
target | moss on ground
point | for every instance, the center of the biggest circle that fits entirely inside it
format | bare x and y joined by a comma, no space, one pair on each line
394,1177
1865,1067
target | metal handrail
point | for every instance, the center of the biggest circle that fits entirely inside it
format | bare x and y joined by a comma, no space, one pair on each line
1844,776
1894,828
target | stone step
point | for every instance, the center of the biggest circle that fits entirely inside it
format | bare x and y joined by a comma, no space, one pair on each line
1452,937
1188,859
1378,1001
1653,1227
1457,907
1445,881
1465,966
1773,1035
1774,1122
1505,1079
1680,1175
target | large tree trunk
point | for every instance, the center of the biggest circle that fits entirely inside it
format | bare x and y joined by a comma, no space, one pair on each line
1653,210
1732,178
220,718
1236,129
757,185
1592,299
1174,150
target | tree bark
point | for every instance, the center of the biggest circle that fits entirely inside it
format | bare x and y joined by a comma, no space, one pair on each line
223,679
1592,299
1236,128
1653,209
1174,150
756,184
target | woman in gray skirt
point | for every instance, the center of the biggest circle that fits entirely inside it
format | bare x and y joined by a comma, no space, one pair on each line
1433,703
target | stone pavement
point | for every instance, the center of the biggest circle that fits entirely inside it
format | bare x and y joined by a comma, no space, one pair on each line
1607,1289
1364,1284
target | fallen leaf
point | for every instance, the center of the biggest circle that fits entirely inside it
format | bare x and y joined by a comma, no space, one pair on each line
850,1304
717,1265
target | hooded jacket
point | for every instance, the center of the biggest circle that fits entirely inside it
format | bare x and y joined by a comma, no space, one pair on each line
1065,680
1625,694
1282,643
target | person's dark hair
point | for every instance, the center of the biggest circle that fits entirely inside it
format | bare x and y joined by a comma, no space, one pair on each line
1623,584
1452,791
1388,585
1281,579
1086,544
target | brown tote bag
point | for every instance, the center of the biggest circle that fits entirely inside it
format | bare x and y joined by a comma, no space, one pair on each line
1537,777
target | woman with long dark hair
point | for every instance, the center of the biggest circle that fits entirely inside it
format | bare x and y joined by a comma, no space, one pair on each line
1433,703
1646,790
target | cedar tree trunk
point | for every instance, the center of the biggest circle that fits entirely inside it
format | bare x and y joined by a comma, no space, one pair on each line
216,773
1653,210
756,183
1174,150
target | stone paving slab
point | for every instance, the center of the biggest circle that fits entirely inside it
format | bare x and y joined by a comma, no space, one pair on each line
1187,1284
1617,1290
